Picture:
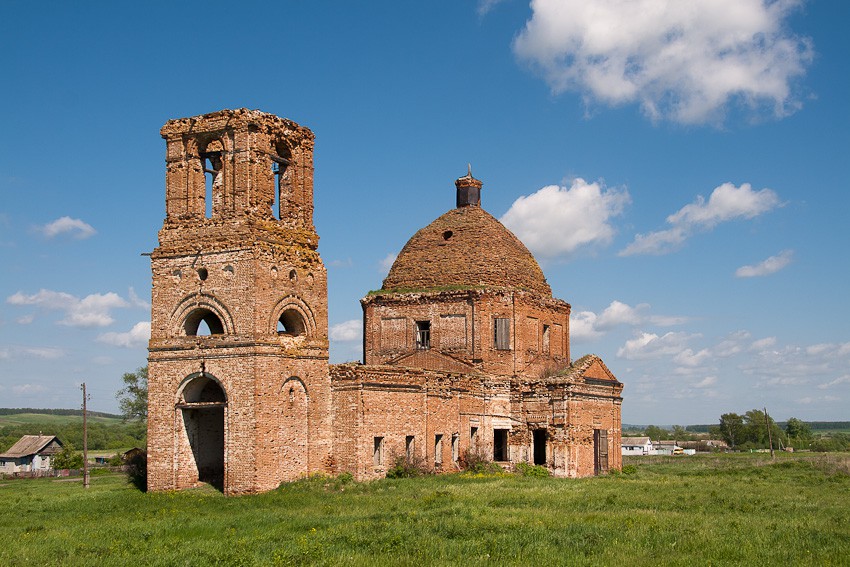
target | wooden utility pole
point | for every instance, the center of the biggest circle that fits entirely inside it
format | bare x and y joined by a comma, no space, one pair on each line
769,433
85,442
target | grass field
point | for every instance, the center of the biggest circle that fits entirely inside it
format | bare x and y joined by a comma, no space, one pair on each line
50,419
702,510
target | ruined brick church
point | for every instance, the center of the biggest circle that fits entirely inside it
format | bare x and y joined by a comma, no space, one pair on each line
464,348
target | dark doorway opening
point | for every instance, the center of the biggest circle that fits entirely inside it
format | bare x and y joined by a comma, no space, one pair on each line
500,445
202,404
539,440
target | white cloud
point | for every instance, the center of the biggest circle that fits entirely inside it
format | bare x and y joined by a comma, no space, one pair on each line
840,380
619,313
585,325
765,344
17,352
691,359
706,382
351,330
681,61
650,345
484,6
387,262
557,221
725,203
137,301
90,311
766,267
138,336
76,227
25,319
732,345
28,389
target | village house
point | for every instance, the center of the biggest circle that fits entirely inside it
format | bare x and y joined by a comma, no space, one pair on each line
31,453
636,445
465,349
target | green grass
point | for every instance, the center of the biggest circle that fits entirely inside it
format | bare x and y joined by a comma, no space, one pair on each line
703,510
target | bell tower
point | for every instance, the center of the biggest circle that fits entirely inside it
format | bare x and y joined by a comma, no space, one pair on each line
238,387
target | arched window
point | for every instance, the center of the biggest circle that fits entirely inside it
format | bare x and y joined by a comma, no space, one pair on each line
281,160
203,389
212,164
202,322
291,323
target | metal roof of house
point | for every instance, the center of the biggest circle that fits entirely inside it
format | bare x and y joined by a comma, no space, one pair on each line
29,445
634,441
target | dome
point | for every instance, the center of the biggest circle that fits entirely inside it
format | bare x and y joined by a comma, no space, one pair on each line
466,247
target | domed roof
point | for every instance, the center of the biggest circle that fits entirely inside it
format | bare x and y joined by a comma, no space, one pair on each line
466,246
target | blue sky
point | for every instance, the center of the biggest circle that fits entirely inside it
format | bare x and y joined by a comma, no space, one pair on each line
679,169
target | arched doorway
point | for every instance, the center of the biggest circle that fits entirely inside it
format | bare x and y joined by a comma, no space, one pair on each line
202,403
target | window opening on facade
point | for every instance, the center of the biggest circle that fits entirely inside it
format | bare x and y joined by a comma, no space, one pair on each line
423,335
212,165
473,438
438,448
279,170
539,440
545,339
291,323
502,334
202,322
408,448
455,447
500,445
378,452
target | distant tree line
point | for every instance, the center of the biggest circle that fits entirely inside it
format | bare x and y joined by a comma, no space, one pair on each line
79,412
101,436
755,430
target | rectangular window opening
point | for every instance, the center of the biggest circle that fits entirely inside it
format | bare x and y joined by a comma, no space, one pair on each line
500,445
438,449
455,448
408,448
423,335
378,452
545,339
502,334
473,438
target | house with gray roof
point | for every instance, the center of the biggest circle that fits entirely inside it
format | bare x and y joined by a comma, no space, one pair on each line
30,453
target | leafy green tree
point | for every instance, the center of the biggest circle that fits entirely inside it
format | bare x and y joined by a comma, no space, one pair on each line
655,433
68,458
798,429
681,434
732,429
133,397
756,426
